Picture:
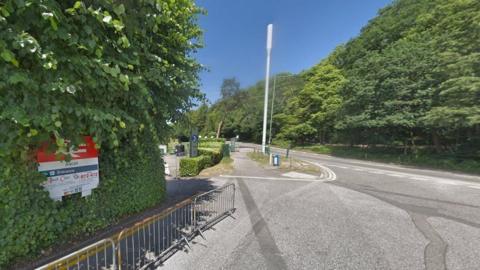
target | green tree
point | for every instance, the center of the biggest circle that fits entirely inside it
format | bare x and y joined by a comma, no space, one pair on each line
229,90
456,107
320,99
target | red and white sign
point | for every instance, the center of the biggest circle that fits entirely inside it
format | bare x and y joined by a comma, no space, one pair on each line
80,174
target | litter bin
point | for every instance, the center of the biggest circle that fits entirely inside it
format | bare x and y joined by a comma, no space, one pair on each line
180,150
276,160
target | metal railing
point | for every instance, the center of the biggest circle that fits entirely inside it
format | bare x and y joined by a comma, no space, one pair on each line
151,239
100,255
212,205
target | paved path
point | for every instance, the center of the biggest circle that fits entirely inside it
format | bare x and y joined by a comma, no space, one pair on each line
361,215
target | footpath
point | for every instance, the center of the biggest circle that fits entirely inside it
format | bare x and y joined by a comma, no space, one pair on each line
256,235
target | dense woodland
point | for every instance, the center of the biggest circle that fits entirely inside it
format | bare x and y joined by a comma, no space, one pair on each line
409,81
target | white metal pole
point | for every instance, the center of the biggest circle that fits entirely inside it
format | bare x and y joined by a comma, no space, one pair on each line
271,111
267,77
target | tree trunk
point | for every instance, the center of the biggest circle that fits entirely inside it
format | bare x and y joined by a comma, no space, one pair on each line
412,140
436,142
324,135
219,129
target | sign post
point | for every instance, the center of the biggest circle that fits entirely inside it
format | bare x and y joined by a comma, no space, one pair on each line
79,175
194,143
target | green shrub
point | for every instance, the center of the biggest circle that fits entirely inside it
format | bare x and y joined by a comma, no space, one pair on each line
282,143
221,140
215,145
207,157
214,154
193,166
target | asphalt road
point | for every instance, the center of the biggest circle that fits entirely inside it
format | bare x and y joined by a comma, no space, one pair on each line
356,215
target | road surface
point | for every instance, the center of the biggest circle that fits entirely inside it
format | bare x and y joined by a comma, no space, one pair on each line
356,215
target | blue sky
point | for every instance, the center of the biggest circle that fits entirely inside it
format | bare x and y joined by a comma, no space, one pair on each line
304,32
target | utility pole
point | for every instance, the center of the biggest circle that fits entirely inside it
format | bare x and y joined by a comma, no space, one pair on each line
267,77
271,111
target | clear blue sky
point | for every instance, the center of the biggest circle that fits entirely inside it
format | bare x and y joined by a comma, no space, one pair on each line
305,31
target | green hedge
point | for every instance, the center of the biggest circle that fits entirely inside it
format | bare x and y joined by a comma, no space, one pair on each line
214,154
31,221
207,157
214,145
205,140
193,166
114,70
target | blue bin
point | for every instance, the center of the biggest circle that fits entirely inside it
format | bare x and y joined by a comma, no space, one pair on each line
276,160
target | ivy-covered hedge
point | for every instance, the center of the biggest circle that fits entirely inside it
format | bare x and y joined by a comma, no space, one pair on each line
131,179
193,166
115,70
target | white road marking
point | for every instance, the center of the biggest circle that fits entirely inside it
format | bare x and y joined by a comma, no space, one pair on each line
246,177
338,166
329,174
419,178
371,163
376,172
410,176
299,175
395,175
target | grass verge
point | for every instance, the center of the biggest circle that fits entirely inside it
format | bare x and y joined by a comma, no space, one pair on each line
224,167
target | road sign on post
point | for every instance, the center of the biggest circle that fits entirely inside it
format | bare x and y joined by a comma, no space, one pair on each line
79,175
194,143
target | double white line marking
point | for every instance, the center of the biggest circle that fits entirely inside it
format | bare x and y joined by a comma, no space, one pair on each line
326,176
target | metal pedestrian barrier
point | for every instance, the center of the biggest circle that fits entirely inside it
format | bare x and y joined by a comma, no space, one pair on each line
152,239
100,255
212,205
